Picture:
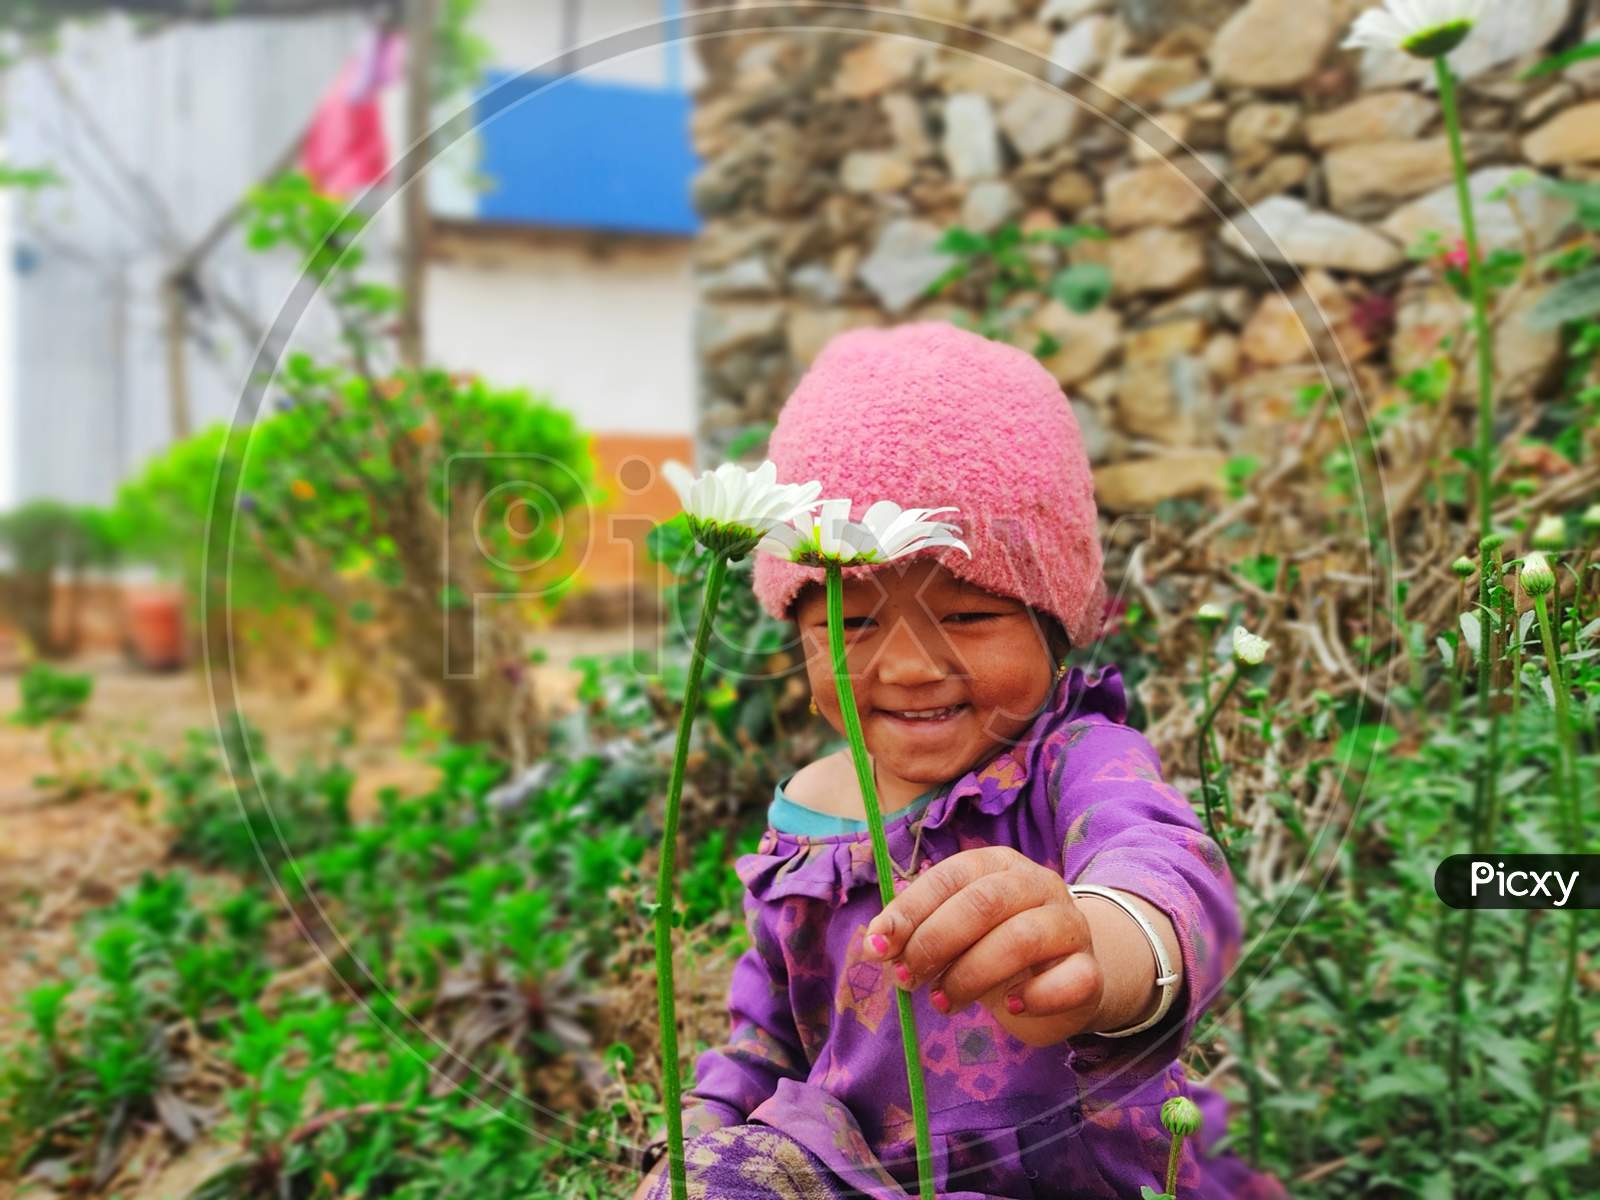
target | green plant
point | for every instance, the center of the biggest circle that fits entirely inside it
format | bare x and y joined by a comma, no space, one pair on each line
46,538
395,496
51,695
219,818
998,266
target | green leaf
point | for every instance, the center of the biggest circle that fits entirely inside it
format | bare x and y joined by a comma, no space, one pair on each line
1560,62
1364,741
1567,1150
959,240
1570,300
29,178
1471,629
1069,235
1082,286
1045,345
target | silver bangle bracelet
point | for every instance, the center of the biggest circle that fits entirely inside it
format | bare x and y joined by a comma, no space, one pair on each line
1167,976
654,1151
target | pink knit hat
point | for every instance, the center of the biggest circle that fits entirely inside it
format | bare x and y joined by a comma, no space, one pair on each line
928,414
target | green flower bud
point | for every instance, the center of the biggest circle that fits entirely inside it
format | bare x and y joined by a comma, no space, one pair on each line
1537,577
1463,567
1210,614
1493,542
1591,517
1180,1116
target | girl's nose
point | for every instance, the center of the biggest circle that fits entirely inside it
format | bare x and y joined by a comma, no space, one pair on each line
908,657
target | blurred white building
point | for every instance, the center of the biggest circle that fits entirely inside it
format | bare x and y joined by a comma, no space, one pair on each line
558,258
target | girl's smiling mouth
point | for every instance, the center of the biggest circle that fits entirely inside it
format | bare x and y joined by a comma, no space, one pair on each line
923,718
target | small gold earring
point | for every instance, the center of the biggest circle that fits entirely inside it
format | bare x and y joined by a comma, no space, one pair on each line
1062,669
814,711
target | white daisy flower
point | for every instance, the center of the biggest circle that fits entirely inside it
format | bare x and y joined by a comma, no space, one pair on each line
731,508
885,532
1422,28
1248,649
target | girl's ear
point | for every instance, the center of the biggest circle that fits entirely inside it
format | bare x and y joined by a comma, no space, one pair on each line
1055,637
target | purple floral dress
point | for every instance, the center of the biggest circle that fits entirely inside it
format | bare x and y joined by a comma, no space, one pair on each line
808,1096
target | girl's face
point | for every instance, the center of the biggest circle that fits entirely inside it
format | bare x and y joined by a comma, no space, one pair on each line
918,639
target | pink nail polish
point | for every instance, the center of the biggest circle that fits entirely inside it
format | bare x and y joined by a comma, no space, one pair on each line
1014,1003
879,943
903,975
940,1000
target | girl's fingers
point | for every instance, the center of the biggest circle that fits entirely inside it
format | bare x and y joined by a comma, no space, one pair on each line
976,912
887,933
1031,940
1074,985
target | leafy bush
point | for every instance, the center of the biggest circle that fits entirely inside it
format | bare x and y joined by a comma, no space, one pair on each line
42,539
51,695
228,820
106,1053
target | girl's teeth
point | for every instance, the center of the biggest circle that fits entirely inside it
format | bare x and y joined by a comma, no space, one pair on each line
929,715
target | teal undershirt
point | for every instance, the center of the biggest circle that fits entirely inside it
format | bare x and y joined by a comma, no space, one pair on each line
786,816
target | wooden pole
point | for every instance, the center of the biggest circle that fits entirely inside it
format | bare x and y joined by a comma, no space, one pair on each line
177,313
421,16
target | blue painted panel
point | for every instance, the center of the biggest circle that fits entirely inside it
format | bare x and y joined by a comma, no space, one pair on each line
586,154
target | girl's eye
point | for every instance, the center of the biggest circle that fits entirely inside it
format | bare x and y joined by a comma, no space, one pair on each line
855,622
970,618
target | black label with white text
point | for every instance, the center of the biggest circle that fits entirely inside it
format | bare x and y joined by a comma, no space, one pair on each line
1554,881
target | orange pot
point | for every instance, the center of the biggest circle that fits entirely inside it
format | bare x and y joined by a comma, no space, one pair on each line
155,627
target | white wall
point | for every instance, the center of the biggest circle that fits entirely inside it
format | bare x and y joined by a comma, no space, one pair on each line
8,348
193,116
199,112
611,340
527,33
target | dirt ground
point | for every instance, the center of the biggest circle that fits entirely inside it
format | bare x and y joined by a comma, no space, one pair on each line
60,857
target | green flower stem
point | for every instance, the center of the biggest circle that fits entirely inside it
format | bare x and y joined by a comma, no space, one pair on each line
1480,304
1252,1080
1206,720
1567,779
1576,612
1457,668
1486,818
1567,787
1508,627
885,868
671,1085
1172,1164
1485,456
1491,822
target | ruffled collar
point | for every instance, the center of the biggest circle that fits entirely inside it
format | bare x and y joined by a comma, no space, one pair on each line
828,867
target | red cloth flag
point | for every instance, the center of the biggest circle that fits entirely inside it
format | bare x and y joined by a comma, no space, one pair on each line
345,149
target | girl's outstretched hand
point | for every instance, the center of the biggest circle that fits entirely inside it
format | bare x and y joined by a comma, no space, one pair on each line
993,926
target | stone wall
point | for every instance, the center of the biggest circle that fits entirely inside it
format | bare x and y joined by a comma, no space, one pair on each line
1261,188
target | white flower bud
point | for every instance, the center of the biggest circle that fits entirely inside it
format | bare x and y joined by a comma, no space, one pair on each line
1550,533
1248,649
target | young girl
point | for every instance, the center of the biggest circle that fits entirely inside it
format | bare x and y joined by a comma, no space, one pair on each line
1060,919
